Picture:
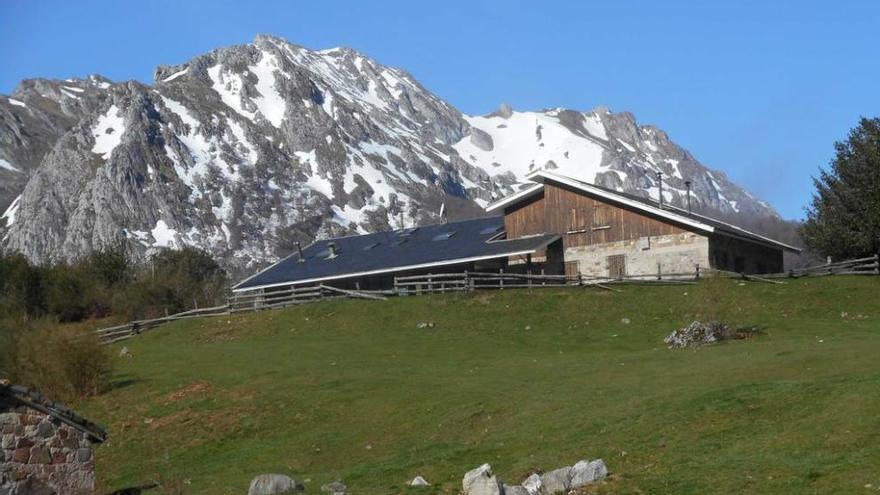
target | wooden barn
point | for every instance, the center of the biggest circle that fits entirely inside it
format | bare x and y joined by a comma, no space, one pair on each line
608,233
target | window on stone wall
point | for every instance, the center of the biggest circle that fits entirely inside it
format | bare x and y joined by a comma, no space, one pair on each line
616,265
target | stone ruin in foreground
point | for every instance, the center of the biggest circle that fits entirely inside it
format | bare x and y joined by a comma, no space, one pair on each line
45,447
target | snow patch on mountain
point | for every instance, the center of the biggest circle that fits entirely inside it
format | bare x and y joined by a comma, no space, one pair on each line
9,214
108,132
176,75
8,166
529,141
270,103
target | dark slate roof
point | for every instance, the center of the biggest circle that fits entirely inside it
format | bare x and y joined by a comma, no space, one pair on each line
32,399
398,250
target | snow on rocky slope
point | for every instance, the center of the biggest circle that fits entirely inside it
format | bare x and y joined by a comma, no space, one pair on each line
248,149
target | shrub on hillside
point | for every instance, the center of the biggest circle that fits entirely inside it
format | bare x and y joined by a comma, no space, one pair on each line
61,361
21,287
173,281
66,293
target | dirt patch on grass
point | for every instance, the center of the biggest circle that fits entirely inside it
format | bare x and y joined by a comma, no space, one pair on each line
194,388
200,426
223,330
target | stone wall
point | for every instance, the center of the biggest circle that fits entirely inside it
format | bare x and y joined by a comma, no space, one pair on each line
42,455
675,253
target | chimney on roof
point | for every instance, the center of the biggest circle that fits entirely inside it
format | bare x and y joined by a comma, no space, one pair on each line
299,250
687,184
660,187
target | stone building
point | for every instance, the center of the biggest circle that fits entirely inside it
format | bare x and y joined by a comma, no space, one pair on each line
46,448
606,233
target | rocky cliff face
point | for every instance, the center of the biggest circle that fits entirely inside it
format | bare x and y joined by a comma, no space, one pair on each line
248,149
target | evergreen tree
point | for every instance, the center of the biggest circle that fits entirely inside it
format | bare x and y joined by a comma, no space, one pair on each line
843,220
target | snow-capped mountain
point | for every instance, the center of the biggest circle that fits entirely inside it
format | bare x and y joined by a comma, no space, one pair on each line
248,149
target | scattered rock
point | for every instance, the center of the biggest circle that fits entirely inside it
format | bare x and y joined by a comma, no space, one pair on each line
533,484
556,481
504,111
418,481
515,490
585,472
124,353
481,481
697,334
272,484
425,324
335,488
625,321
481,139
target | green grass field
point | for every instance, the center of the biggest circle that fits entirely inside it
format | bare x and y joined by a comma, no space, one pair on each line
523,380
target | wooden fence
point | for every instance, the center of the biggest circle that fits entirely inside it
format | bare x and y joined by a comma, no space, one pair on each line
468,281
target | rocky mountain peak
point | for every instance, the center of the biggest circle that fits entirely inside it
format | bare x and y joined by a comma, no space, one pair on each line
250,148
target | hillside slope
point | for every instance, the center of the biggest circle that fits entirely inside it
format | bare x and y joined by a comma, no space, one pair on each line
524,381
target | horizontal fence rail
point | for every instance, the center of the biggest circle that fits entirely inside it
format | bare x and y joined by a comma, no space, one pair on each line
411,285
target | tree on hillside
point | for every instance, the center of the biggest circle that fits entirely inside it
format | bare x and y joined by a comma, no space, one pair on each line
843,220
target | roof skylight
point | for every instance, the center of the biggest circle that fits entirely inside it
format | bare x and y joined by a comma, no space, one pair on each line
444,236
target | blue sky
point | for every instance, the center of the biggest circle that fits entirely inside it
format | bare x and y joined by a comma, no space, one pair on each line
760,90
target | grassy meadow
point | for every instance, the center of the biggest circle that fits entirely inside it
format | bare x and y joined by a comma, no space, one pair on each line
524,380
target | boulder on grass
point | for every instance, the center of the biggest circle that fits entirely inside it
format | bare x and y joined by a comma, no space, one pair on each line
586,472
418,481
556,481
515,490
335,488
533,484
481,481
697,334
273,484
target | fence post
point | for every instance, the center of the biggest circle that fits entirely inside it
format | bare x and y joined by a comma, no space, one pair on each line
467,284
877,264
580,279
659,273
430,284
501,278
697,273
543,280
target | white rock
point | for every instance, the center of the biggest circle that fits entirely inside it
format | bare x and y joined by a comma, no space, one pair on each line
418,481
585,472
533,484
481,481
515,490
273,484
556,481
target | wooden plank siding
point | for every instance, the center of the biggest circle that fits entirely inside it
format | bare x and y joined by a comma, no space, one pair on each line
581,219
